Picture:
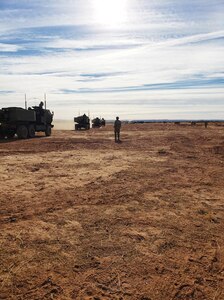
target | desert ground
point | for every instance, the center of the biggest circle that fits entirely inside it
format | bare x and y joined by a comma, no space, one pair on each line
85,218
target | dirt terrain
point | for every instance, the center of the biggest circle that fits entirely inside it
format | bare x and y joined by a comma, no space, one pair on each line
84,218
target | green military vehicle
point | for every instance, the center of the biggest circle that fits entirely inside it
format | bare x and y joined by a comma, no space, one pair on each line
25,122
82,122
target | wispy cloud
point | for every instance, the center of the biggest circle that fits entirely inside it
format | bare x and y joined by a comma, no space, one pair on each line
4,47
6,92
187,84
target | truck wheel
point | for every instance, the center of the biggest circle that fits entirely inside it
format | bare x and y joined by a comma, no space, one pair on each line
22,132
48,131
31,131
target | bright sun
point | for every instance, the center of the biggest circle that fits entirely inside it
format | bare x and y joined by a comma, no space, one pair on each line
110,12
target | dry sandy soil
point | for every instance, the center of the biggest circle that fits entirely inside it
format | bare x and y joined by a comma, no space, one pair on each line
84,218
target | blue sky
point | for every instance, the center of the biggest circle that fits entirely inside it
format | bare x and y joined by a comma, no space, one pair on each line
133,58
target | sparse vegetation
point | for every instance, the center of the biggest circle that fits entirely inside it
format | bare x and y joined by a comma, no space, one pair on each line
84,218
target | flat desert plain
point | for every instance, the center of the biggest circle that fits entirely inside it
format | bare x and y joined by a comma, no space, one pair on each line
85,218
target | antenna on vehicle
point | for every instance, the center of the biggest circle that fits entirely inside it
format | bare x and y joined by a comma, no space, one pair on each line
25,102
45,101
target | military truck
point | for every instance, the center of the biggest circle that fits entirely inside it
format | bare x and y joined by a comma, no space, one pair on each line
82,122
25,122
97,122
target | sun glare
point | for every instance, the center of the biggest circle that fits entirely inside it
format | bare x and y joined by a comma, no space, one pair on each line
112,13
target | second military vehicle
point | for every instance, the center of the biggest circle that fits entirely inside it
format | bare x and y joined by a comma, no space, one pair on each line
97,122
82,122
25,122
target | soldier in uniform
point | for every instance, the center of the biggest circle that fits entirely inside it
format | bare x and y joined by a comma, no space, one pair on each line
41,112
117,129
41,105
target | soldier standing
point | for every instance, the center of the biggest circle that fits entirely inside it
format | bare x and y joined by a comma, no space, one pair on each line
41,105
117,129
40,115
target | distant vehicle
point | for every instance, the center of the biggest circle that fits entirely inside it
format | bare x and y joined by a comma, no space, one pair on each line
97,122
82,122
25,122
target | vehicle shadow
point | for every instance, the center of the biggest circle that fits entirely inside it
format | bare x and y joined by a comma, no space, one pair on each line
15,139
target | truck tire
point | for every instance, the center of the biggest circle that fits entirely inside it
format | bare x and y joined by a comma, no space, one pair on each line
31,131
22,132
48,131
